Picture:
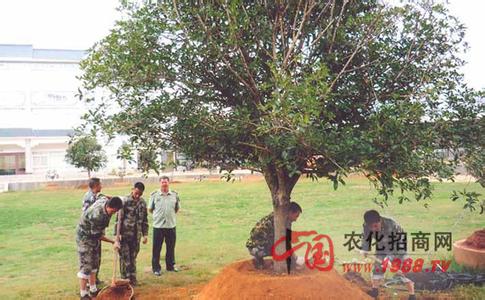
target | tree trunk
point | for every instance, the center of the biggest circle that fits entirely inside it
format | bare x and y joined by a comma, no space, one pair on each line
89,173
280,185
280,220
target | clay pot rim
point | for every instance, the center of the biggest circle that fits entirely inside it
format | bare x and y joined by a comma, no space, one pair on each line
460,244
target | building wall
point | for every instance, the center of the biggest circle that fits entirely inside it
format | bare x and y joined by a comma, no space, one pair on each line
38,90
39,95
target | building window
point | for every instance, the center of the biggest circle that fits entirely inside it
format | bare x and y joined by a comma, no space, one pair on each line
40,161
12,163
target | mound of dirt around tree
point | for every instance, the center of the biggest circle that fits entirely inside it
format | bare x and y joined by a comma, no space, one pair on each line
476,240
122,292
186,292
241,280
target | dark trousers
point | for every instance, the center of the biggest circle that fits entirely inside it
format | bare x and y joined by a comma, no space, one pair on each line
159,235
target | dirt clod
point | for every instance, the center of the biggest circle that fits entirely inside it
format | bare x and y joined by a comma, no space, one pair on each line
476,240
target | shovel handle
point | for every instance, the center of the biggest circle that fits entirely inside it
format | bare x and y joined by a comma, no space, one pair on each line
115,260
119,217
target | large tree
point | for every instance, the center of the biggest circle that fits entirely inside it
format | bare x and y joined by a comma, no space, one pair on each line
292,88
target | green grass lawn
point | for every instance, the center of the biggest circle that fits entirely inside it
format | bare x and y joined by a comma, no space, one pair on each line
38,256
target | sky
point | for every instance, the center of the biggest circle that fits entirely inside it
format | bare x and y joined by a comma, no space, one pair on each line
78,24
58,24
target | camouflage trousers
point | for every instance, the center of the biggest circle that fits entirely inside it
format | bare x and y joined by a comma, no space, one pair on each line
88,252
128,252
259,253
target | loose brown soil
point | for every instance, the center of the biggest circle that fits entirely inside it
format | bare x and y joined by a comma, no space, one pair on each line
122,292
241,280
180,293
476,240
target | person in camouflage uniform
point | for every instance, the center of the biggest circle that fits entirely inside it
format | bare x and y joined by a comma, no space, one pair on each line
89,233
261,238
89,198
388,234
132,225
93,194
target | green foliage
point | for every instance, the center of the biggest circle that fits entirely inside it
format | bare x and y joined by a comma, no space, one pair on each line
475,162
148,160
292,88
471,199
125,152
85,152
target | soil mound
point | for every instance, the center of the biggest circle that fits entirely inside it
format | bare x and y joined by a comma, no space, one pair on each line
187,292
122,292
476,240
241,280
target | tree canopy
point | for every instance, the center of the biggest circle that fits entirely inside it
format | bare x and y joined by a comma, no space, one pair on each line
292,88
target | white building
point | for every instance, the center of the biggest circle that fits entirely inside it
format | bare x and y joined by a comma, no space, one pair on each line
39,108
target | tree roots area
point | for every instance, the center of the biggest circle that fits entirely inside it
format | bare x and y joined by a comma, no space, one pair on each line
241,280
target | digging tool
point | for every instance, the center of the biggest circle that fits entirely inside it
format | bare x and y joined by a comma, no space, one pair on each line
117,282
118,285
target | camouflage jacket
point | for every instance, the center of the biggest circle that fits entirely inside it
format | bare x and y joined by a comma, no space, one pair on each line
134,218
89,198
262,235
384,245
94,221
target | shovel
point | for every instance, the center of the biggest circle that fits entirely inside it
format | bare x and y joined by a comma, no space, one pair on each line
119,288
117,282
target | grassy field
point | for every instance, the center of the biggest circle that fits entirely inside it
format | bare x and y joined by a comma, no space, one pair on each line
37,230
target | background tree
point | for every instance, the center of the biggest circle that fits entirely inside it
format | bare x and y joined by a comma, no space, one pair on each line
125,154
292,88
85,152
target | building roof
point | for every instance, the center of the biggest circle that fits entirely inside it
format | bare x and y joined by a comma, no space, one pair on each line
28,51
29,132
